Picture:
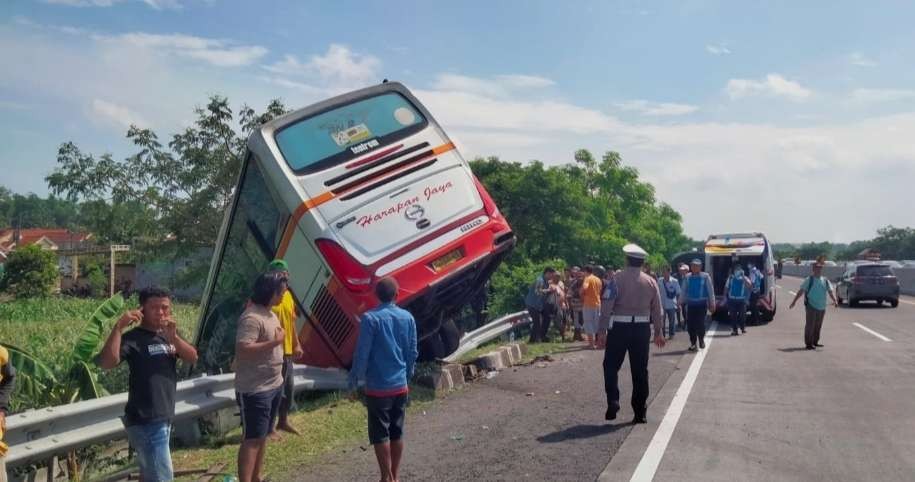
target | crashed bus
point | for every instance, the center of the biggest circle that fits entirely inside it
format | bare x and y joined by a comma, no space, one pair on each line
355,188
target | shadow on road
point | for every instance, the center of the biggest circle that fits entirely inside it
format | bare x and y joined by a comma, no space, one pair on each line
672,353
579,432
792,349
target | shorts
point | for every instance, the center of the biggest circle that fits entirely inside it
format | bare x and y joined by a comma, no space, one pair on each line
258,412
591,317
386,417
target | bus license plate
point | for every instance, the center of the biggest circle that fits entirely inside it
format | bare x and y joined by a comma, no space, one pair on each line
447,260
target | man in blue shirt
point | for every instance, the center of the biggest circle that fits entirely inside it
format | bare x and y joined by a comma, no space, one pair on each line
814,289
385,357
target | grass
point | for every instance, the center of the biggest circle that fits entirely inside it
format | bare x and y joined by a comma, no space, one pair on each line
328,422
48,327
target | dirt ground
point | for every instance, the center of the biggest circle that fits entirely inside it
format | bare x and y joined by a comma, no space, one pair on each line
543,421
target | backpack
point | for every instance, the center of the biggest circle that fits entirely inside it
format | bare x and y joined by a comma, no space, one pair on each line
809,282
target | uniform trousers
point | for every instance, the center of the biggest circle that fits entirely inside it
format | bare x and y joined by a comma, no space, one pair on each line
695,322
635,339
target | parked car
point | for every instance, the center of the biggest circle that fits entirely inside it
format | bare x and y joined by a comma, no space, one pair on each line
868,281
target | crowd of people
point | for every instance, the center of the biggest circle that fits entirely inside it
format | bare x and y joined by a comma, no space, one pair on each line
609,309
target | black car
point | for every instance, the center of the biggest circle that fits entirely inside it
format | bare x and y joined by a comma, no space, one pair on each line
868,281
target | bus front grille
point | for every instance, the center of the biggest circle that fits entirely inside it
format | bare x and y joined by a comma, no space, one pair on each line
331,318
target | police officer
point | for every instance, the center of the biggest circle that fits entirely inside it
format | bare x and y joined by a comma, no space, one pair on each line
635,309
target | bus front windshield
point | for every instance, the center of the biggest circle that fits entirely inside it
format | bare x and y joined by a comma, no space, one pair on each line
345,132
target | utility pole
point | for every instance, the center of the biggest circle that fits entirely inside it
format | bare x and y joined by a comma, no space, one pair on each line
116,248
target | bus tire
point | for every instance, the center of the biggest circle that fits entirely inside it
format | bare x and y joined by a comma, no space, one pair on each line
450,336
432,348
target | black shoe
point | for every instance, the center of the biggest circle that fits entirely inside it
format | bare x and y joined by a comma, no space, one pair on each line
692,348
734,333
744,330
811,347
702,344
611,412
639,419
818,344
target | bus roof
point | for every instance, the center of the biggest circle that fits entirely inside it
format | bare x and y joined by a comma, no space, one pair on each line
741,244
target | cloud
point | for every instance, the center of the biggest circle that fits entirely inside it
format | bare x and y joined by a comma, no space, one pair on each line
220,53
656,109
500,85
525,81
773,85
873,96
155,4
116,114
858,59
339,64
717,49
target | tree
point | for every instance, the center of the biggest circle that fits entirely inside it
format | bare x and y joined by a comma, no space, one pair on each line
30,272
170,196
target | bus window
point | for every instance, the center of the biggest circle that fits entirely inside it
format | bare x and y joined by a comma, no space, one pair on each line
254,233
346,132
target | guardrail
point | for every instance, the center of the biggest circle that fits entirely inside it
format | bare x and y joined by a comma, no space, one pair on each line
39,435
490,331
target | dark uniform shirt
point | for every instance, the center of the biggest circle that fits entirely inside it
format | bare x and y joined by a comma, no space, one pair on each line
153,377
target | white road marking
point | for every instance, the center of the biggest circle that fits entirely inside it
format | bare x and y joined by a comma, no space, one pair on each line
872,332
651,459
907,302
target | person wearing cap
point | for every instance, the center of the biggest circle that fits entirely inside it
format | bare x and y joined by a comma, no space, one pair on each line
670,294
287,313
682,273
698,299
814,289
737,289
636,308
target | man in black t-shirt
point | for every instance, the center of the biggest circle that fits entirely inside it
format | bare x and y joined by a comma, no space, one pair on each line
151,350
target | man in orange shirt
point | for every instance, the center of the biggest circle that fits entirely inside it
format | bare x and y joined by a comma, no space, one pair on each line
591,288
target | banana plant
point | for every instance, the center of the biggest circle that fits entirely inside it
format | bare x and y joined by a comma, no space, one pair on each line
78,378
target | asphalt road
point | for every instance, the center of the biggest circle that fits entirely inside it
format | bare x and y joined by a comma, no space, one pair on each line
753,407
763,408
514,426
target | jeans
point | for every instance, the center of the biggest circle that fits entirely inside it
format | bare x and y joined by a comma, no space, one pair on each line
151,444
695,322
671,321
737,313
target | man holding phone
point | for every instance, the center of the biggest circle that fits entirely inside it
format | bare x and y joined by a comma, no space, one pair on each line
151,350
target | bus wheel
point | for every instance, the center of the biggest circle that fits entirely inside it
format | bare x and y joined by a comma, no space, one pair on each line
768,316
432,348
450,335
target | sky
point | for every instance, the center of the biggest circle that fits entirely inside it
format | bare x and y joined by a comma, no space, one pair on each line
796,119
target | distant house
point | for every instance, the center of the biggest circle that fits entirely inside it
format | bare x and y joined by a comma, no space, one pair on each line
52,239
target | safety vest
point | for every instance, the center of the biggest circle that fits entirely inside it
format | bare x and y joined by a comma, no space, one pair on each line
738,289
696,292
